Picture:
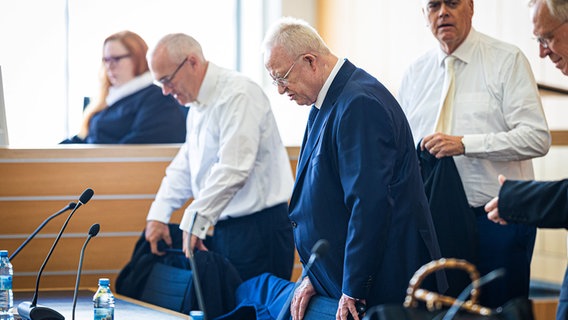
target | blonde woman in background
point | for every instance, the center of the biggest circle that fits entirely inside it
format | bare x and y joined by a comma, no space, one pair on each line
130,108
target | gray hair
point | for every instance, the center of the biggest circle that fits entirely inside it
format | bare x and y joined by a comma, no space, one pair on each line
295,36
558,9
179,45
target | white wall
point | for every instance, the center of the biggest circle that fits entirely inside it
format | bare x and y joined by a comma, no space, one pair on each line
384,37
381,36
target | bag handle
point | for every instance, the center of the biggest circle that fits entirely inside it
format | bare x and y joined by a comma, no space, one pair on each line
435,301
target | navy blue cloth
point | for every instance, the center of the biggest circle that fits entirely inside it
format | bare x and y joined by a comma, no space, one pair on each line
219,279
256,243
146,116
509,247
453,218
358,186
312,117
543,204
263,297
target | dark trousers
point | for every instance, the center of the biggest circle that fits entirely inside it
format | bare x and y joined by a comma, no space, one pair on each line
257,243
509,247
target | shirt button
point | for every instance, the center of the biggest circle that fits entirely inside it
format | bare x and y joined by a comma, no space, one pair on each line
294,224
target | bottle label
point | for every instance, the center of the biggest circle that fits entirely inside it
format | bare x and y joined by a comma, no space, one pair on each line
104,314
5,282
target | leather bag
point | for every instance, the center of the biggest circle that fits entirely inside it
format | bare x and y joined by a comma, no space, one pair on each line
422,304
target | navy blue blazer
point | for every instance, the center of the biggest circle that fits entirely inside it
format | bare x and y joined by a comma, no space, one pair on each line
543,204
358,185
146,116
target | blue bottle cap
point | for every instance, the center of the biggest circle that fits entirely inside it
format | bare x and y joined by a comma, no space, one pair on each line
104,282
196,314
3,253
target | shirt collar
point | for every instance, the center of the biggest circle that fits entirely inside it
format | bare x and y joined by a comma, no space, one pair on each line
465,51
328,81
138,83
207,89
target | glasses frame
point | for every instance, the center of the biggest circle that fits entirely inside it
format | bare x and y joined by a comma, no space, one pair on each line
115,59
283,81
166,81
544,41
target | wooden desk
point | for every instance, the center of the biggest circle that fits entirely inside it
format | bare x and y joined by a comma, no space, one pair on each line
125,308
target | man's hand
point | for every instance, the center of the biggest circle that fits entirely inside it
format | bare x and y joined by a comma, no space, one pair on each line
194,242
442,145
156,231
345,307
492,207
302,296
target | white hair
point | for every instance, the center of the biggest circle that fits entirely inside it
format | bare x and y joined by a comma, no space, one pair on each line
295,36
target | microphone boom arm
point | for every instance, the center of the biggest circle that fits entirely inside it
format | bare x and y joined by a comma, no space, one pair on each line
34,300
70,206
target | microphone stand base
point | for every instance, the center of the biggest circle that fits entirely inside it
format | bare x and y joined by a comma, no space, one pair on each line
29,312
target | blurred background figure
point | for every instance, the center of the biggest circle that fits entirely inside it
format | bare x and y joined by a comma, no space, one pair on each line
129,107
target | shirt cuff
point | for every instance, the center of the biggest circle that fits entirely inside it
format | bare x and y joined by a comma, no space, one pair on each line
473,143
159,211
200,226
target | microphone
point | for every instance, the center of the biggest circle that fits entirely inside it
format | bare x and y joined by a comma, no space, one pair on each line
193,264
30,310
465,293
318,250
70,206
93,231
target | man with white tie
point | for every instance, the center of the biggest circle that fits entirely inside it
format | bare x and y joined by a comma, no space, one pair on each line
486,113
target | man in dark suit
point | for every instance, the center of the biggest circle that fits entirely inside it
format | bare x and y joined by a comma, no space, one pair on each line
357,184
542,204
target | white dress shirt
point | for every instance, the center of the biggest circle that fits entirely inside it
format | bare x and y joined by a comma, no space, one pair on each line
497,109
328,82
233,162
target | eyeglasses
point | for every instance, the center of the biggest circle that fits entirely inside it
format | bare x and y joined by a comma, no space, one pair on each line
115,59
167,80
545,40
283,81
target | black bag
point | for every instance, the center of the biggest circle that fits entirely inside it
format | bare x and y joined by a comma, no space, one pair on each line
167,280
421,304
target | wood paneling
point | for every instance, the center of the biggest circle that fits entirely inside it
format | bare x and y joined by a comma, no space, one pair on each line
35,183
545,309
67,178
559,137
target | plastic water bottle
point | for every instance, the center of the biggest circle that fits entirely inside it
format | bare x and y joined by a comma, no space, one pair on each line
104,301
6,295
196,315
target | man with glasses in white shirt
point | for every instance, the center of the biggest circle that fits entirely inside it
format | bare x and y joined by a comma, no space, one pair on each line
496,125
233,165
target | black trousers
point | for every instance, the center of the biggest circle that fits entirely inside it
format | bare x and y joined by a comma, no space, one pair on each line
257,243
509,247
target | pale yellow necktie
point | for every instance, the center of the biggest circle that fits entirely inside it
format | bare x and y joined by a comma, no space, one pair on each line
444,122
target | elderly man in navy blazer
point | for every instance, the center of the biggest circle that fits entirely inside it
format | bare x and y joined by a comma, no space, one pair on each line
357,184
